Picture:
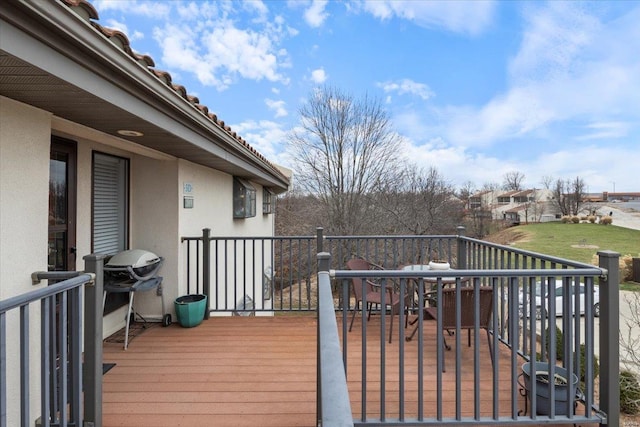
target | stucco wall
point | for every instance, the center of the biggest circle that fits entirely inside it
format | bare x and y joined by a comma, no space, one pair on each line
152,213
154,226
24,202
212,193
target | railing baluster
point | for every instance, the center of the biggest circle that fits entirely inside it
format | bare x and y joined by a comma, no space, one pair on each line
24,361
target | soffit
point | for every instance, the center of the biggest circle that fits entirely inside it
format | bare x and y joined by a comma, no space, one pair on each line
213,144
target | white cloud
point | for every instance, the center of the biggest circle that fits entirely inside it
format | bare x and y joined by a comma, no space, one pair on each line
277,106
460,165
571,71
553,40
221,53
117,25
519,112
318,76
605,130
407,86
267,137
256,6
144,8
472,17
180,51
316,14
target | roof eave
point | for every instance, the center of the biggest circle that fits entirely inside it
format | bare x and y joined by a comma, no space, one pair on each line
81,43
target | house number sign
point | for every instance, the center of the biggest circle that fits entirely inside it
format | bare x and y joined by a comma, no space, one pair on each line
187,200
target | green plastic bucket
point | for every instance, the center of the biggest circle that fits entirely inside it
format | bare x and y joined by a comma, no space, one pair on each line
190,309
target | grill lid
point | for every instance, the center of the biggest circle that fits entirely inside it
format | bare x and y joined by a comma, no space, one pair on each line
135,258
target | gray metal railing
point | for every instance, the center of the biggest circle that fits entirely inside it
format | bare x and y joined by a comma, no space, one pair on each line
525,338
71,384
334,407
229,267
278,273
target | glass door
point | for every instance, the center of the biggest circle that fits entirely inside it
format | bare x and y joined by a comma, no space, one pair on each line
62,199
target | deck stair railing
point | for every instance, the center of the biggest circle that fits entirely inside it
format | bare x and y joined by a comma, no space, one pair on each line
70,390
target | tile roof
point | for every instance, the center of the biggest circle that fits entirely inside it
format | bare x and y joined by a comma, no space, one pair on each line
523,193
86,10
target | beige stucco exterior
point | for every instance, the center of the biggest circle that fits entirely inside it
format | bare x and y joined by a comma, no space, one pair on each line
25,133
157,221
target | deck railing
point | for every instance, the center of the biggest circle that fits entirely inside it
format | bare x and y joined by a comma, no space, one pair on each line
514,326
70,390
278,273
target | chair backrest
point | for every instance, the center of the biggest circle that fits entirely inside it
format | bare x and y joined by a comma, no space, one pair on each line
359,264
467,304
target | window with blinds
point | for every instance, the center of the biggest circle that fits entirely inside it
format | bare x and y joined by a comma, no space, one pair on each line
110,203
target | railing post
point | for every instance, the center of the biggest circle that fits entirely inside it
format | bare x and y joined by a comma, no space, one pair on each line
319,240
324,262
92,367
462,249
206,267
333,404
610,337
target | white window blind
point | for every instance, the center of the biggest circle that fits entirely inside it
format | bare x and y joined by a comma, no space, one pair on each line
110,203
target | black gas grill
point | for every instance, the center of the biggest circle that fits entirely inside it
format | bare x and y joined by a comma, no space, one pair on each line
134,271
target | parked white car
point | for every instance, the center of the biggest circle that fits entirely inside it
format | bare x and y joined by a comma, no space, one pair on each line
542,309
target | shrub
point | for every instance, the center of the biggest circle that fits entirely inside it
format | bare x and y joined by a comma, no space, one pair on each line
583,217
606,220
626,266
575,219
559,343
583,365
629,393
565,219
591,219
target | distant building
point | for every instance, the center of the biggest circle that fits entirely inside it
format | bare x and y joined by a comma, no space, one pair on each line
531,205
620,197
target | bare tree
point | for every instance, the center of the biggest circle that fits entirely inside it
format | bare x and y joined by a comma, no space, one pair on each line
422,202
344,149
569,195
512,181
629,340
490,186
466,191
297,214
547,181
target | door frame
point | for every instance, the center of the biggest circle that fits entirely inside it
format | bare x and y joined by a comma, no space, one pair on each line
68,147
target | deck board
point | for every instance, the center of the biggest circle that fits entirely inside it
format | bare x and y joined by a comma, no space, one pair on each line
261,371
228,371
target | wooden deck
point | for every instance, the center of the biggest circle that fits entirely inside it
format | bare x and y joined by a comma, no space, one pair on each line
261,371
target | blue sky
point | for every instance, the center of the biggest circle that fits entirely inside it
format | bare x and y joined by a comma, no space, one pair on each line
476,89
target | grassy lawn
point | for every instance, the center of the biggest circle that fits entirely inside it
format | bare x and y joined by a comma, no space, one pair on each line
578,242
